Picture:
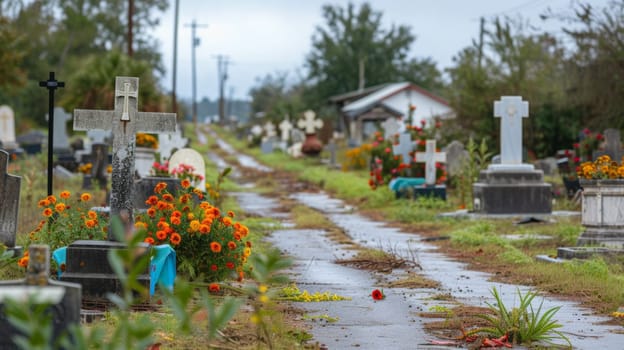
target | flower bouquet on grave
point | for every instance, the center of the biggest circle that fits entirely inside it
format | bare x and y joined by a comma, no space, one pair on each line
160,169
187,172
602,168
146,140
209,246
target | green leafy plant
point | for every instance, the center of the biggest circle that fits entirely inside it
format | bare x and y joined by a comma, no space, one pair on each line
522,324
477,160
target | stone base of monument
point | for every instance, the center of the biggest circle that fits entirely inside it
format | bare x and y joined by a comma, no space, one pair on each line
518,189
87,264
436,191
611,237
144,188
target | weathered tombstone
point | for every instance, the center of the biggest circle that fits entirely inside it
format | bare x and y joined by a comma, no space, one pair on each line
267,145
7,128
547,165
168,143
9,205
269,129
391,127
285,126
32,141
613,145
331,147
430,157
404,148
87,262
60,141
62,299
189,156
456,156
311,146
512,187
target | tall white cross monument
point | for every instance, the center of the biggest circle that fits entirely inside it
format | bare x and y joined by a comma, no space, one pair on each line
124,121
511,110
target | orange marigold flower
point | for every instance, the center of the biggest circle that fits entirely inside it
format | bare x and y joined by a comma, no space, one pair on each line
204,228
237,236
43,203
205,205
215,247
216,212
176,213
160,187
231,245
161,235
85,197
230,213
207,221
47,212
162,225
175,239
227,221
65,194
161,205
190,216
167,197
149,240
60,207
90,223
195,225
52,198
248,243
151,212
23,262
175,220
185,183
214,287
151,200
247,252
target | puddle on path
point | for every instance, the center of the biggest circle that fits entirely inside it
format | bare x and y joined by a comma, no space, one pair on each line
469,287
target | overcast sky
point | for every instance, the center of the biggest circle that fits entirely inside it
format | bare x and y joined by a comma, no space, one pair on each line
264,36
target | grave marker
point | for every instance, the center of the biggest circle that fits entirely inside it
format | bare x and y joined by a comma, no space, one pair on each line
613,145
269,129
511,110
167,143
285,126
124,121
63,300
189,156
430,157
9,205
404,148
61,139
309,124
7,128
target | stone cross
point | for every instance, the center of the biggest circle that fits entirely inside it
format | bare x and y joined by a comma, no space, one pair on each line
391,127
511,109
430,157
125,121
51,84
269,129
285,126
404,147
7,127
256,130
308,123
9,205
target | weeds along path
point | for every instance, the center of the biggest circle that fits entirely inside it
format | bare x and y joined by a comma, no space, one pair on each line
398,321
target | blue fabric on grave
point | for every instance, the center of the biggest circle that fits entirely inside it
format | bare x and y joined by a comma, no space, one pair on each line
162,267
399,183
59,255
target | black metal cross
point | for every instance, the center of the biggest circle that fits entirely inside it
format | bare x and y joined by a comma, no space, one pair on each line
51,84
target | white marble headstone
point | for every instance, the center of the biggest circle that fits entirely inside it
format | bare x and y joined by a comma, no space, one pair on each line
61,139
309,123
430,157
511,110
7,127
193,158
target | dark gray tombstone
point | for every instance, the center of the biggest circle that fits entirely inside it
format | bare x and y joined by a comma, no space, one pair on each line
267,146
613,145
63,299
9,204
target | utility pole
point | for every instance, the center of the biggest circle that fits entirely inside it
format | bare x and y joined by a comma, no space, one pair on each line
174,100
194,43
222,63
130,16
230,100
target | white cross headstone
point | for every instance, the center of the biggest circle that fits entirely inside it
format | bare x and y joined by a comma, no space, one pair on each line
256,130
285,126
167,143
7,127
269,130
404,148
124,121
189,156
391,127
511,110
430,157
308,123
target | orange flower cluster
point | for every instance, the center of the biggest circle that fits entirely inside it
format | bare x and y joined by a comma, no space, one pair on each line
208,245
23,261
67,219
602,168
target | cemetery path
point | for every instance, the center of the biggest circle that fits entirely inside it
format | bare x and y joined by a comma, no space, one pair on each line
398,321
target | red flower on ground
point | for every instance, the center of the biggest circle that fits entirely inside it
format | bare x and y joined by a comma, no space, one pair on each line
214,288
378,294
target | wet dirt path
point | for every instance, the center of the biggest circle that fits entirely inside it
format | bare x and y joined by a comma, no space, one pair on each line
394,322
